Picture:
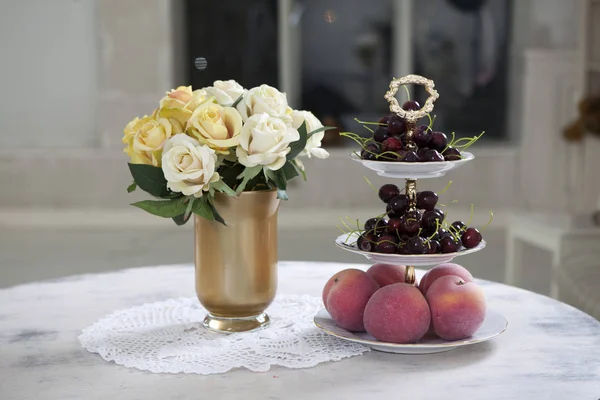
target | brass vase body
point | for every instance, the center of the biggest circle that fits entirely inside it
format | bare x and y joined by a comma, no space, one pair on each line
236,265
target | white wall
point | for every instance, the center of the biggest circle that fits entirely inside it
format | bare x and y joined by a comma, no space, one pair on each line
47,74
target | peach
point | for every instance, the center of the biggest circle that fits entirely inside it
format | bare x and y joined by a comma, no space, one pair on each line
387,274
397,313
442,270
345,296
457,307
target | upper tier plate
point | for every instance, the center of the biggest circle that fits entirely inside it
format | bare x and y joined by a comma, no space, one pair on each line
349,243
417,170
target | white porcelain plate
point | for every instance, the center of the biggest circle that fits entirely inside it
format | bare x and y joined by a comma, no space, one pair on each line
417,170
348,242
493,325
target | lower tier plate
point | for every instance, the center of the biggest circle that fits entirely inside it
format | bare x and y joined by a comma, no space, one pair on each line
493,325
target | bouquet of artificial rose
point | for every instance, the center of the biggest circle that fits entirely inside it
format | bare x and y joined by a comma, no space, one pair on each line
221,138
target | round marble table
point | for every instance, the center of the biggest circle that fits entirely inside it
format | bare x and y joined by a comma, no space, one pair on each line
550,350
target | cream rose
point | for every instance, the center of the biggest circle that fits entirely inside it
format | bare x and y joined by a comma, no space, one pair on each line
146,137
189,167
218,127
313,143
226,92
265,99
265,140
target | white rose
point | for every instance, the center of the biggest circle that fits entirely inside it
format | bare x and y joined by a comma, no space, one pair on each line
189,167
313,144
226,92
265,140
265,99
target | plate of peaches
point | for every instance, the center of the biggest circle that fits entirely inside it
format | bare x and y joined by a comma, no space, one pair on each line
446,310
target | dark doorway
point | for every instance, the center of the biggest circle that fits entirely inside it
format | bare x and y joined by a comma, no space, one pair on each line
237,38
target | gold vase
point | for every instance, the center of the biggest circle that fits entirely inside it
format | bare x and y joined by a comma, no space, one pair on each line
236,265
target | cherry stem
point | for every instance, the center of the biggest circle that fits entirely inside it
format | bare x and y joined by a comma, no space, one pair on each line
446,205
370,184
431,121
369,129
455,232
489,222
449,144
473,141
407,91
446,188
471,215
369,123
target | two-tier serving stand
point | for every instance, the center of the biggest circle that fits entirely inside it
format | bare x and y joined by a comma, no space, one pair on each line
410,172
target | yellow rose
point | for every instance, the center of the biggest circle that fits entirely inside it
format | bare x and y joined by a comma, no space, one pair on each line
216,126
177,98
146,137
180,103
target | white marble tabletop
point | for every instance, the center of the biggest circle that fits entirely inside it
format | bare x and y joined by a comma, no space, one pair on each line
550,350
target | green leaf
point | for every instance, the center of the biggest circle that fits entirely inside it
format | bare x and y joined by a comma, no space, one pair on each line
249,173
289,170
216,214
131,187
323,128
163,208
181,219
150,179
188,208
222,187
202,209
299,145
278,177
229,173
282,194
299,169
235,103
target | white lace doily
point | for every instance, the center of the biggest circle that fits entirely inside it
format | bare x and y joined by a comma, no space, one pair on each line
168,337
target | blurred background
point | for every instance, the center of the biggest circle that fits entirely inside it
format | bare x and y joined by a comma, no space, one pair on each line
74,72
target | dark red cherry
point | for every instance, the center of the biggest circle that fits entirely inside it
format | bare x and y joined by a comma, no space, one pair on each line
390,213
366,241
432,155
451,154
450,244
386,244
391,144
410,156
426,200
471,238
433,247
399,204
411,105
380,134
394,226
411,222
396,126
375,225
422,136
458,227
432,220
388,192
416,245
385,119
438,141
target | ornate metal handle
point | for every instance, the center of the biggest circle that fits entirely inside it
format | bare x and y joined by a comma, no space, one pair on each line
410,115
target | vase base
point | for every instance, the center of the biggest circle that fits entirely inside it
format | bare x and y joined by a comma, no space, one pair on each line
232,325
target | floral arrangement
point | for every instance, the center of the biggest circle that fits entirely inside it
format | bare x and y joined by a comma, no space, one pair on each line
221,138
